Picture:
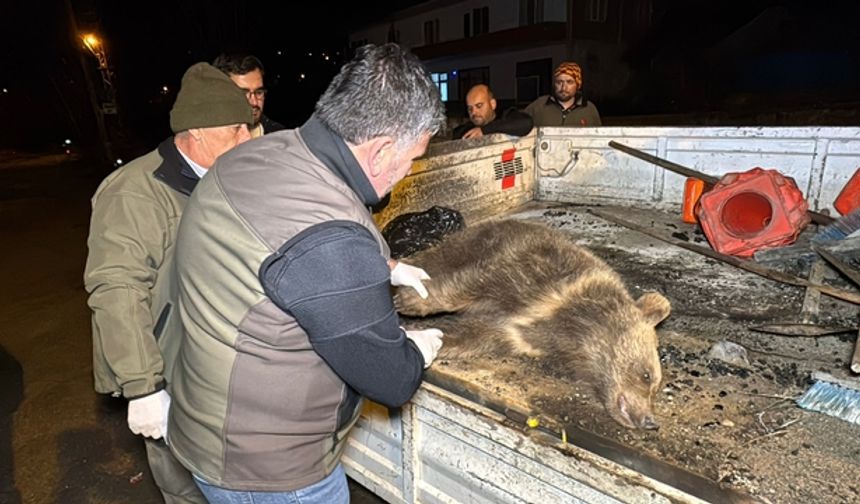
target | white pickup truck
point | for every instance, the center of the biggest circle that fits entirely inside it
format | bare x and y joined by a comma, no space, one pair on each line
509,433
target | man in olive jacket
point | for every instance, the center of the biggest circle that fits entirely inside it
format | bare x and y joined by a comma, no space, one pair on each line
566,106
128,275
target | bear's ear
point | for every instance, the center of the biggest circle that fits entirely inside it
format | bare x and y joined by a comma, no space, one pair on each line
654,307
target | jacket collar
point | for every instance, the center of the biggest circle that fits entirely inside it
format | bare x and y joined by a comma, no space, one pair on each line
332,150
270,126
174,170
577,102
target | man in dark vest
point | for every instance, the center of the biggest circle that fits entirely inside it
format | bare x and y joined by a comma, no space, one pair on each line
284,284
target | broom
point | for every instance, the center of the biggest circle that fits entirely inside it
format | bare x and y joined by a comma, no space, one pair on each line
831,395
841,228
834,396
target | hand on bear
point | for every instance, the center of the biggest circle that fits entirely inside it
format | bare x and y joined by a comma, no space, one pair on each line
409,276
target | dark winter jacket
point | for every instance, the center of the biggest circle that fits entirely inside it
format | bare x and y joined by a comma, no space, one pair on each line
547,111
512,122
136,212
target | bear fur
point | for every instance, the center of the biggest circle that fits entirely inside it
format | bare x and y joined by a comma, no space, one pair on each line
522,288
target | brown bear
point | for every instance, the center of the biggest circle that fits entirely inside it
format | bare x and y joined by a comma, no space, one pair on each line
523,288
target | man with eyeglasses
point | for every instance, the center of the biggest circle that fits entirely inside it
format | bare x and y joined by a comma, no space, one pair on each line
247,72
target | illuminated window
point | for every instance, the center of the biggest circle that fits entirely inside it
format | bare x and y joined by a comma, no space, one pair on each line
441,81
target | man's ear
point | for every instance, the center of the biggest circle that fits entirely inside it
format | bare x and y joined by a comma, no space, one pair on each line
377,150
195,133
493,103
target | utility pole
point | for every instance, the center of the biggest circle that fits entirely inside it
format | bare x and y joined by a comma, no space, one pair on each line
105,149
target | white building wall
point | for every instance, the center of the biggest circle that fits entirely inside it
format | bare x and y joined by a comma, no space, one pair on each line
504,15
503,68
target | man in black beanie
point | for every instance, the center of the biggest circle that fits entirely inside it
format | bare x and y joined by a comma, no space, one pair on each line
128,275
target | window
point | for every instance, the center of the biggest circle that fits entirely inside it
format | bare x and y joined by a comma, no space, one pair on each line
533,80
597,10
644,12
531,12
592,63
528,89
393,34
431,32
480,21
469,77
441,81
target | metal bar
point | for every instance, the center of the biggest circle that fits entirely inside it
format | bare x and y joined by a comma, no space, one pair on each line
665,163
801,329
689,172
743,264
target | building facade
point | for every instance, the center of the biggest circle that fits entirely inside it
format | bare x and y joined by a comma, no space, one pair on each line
513,45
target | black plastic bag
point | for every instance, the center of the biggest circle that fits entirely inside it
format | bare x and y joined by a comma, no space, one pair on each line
408,233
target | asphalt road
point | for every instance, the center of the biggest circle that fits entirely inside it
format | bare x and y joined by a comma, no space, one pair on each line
59,441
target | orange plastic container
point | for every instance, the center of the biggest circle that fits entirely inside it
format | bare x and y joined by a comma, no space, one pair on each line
748,211
693,189
849,197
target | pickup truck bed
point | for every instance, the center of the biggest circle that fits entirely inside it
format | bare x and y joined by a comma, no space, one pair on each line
729,432
732,424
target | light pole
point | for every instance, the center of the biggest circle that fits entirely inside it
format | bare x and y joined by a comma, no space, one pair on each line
105,149
97,48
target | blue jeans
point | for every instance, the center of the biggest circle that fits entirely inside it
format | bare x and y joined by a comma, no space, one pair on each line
330,490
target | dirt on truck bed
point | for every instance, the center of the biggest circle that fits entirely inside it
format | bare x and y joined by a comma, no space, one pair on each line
734,423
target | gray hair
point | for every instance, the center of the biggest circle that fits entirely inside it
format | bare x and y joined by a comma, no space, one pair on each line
383,91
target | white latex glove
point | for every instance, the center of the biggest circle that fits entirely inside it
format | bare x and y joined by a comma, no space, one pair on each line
428,341
147,415
410,276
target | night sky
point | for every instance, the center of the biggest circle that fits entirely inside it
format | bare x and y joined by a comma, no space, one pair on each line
150,44
812,55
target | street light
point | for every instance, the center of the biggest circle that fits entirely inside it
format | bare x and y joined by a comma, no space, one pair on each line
91,42
103,103
94,44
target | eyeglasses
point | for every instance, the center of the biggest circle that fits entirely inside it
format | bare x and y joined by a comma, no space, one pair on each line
258,93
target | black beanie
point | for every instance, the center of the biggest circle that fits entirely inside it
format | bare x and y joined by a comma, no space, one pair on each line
208,98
